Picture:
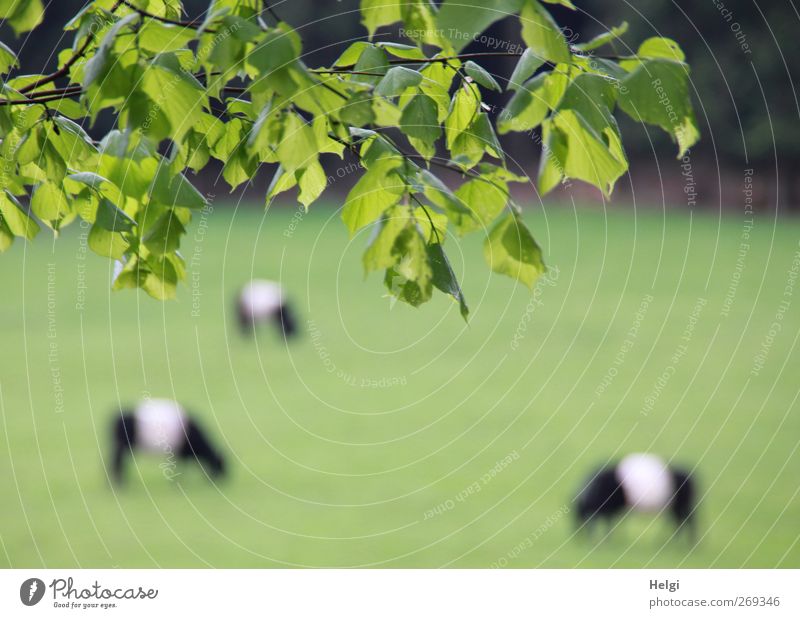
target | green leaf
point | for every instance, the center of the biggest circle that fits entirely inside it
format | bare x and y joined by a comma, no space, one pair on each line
462,20
312,182
248,10
593,97
164,236
661,47
379,254
111,218
265,133
6,236
485,198
432,224
281,182
351,55
357,110
541,34
14,217
481,75
98,66
604,39
657,93
106,243
409,52
441,196
22,15
8,58
437,80
511,250
49,202
444,278
72,143
276,50
325,143
411,277
158,37
588,157
554,153
463,109
99,184
419,19
175,190
527,65
298,146
396,80
377,13
372,60
379,188
161,277
420,123
531,103
178,95
481,128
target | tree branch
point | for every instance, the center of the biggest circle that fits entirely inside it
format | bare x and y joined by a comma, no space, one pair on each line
64,71
446,58
66,93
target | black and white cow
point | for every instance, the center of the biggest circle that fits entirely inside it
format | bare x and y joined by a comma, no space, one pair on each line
639,482
162,427
261,301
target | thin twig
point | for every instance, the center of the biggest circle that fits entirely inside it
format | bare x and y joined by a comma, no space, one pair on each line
55,97
344,72
193,23
434,231
271,11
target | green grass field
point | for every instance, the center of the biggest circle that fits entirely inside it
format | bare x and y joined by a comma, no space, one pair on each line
374,439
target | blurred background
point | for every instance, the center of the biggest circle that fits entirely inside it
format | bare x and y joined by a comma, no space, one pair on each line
390,436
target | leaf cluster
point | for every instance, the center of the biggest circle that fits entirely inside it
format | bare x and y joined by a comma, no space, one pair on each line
234,88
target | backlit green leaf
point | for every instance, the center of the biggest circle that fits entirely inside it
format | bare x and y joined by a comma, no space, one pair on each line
541,34
379,188
527,65
396,80
14,217
657,93
511,250
444,278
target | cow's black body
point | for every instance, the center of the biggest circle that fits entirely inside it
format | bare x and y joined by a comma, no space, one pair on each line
603,499
194,446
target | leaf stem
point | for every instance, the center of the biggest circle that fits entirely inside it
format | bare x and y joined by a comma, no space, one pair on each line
434,231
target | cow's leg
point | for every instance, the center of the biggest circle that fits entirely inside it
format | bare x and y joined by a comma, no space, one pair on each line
123,438
245,318
198,447
286,321
683,503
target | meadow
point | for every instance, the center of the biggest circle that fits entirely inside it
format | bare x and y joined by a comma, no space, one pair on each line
388,436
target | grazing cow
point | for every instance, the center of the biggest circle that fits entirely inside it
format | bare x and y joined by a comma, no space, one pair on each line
260,301
163,427
640,482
